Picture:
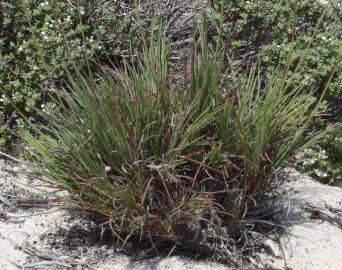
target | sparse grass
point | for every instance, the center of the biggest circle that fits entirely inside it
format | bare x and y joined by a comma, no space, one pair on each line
157,159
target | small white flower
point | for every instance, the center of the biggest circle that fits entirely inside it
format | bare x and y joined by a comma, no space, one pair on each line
107,168
318,173
42,106
324,174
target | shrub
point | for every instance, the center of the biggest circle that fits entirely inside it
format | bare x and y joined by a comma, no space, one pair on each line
33,36
164,161
265,30
324,160
33,58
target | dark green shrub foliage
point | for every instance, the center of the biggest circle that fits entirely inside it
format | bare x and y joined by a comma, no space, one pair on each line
324,161
33,56
156,159
39,39
266,29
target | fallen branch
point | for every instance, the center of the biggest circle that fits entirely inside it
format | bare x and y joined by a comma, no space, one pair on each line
5,201
326,213
16,159
47,259
40,255
35,202
45,263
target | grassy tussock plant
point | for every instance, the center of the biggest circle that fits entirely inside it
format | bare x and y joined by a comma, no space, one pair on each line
168,161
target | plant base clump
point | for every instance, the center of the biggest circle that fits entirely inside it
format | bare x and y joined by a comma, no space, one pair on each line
170,162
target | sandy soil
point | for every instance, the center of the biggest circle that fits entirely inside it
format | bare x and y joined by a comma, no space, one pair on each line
52,238
312,239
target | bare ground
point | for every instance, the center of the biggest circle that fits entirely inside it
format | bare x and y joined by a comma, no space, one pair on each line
34,234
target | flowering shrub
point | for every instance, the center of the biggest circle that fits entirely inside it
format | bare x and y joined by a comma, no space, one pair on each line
39,39
324,161
32,54
34,59
266,29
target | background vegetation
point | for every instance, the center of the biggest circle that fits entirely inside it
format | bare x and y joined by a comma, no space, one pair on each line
265,29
